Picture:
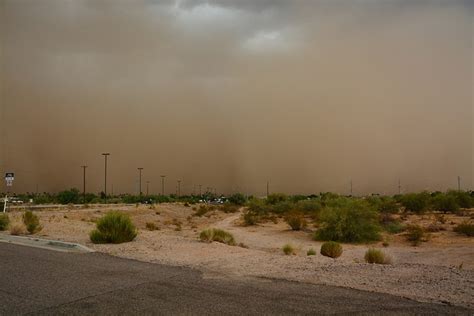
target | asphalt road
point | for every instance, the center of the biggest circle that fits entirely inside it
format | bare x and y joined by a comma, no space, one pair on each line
44,282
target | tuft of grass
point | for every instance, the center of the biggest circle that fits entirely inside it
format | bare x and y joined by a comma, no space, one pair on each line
296,220
385,244
465,228
415,234
229,208
113,228
288,250
331,249
218,235
203,209
17,229
394,227
311,252
376,256
4,221
31,222
151,226
250,218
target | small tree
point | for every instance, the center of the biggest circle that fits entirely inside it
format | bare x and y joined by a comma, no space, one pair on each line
445,203
416,202
68,196
296,220
113,228
238,199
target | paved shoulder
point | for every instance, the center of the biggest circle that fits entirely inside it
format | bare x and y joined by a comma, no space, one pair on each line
43,282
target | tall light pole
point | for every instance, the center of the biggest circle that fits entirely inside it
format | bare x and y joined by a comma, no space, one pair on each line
84,184
200,190
351,187
179,188
399,187
105,181
163,185
268,188
140,180
459,183
147,185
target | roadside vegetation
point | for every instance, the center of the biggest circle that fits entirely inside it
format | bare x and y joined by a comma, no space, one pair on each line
31,222
113,228
377,256
331,249
218,235
4,221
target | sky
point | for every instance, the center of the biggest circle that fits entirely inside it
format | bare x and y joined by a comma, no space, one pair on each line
308,95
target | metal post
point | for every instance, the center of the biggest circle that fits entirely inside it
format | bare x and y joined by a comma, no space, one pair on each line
140,180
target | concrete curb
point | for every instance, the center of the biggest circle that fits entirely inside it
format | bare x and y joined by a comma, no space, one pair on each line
55,245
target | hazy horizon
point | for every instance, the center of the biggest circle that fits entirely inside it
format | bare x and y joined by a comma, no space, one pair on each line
231,94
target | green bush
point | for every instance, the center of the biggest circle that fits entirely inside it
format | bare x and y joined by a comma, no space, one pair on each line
203,209
353,221
218,235
69,196
113,228
296,220
288,250
229,208
312,207
275,198
311,252
465,228
416,202
4,221
331,249
415,234
238,199
250,218
281,207
31,222
445,203
463,198
376,256
394,227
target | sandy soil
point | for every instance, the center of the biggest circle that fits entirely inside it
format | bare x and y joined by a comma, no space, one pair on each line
440,270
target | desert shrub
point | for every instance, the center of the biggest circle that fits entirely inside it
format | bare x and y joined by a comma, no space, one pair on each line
31,222
394,227
376,256
238,199
4,221
71,196
311,252
282,207
440,218
415,202
275,198
218,235
331,249
463,198
151,226
445,203
415,234
465,228
355,221
203,209
296,220
229,208
250,218
288,250
388,205
17,229
114,228
311,207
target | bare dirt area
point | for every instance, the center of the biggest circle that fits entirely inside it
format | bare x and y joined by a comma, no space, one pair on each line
439,270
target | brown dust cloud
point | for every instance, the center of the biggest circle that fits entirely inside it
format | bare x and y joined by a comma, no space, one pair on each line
307,95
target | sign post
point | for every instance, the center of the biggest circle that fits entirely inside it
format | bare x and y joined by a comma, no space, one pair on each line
9,177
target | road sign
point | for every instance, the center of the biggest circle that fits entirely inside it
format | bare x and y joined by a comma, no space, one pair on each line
9,176
9,183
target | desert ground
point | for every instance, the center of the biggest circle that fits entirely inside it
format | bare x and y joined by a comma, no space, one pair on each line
439,270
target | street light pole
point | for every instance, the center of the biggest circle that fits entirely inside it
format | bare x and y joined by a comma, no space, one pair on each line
163,185
84,184
105,181
140,180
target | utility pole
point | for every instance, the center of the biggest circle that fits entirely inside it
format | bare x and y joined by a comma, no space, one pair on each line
105,184
351,187
84,184
200,190
459,183
399,187
179,188
268,188
163,185
147,185
140,180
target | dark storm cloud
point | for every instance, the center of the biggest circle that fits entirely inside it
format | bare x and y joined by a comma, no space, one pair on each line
228,94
